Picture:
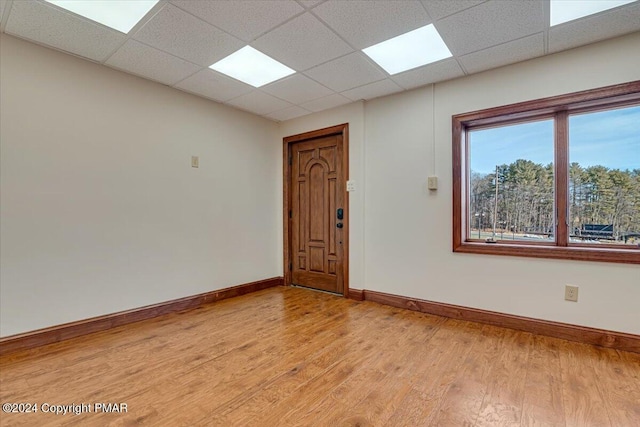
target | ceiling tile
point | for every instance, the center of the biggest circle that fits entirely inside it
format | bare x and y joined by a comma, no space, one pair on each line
302,43
346,73
259,103
181,34
365,23
373,90
3,3
507,53
51,26
490,24
612,23
297,89
145,61
245,19
438,71
288,113
326,103
438,9
213,85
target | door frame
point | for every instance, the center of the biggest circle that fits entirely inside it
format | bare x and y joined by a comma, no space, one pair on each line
342,129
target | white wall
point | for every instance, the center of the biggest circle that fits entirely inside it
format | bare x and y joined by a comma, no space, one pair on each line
407,230
101,211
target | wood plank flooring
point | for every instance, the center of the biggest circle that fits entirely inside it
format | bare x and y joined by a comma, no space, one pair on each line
294,357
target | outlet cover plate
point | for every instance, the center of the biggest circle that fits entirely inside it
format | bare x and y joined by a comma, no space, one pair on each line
571,293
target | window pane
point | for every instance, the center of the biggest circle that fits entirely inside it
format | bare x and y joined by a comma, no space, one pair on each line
519,204
604,177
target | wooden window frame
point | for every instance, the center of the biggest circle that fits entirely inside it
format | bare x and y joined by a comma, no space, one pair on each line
558,107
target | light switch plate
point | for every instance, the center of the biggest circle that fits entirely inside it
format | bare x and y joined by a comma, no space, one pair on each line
195,161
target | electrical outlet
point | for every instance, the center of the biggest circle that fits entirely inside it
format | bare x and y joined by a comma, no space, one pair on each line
571,293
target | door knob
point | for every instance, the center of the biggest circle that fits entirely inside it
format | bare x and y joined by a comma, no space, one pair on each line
339,225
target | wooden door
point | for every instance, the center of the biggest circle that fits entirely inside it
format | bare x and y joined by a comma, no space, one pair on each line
318,213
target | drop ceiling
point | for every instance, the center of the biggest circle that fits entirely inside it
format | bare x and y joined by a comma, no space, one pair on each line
176,42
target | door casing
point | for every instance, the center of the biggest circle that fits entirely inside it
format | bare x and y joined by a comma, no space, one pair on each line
342,129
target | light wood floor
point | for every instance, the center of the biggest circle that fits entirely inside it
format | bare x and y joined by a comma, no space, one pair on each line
293,357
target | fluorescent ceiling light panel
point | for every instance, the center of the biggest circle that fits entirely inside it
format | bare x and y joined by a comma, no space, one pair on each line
121,15
410,50
252,67
567,10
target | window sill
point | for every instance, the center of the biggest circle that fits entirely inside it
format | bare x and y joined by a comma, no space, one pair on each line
625,256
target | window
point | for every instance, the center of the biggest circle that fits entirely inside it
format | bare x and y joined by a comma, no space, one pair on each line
552,178
511,182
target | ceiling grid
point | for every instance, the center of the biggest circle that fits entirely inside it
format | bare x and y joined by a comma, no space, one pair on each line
321,40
